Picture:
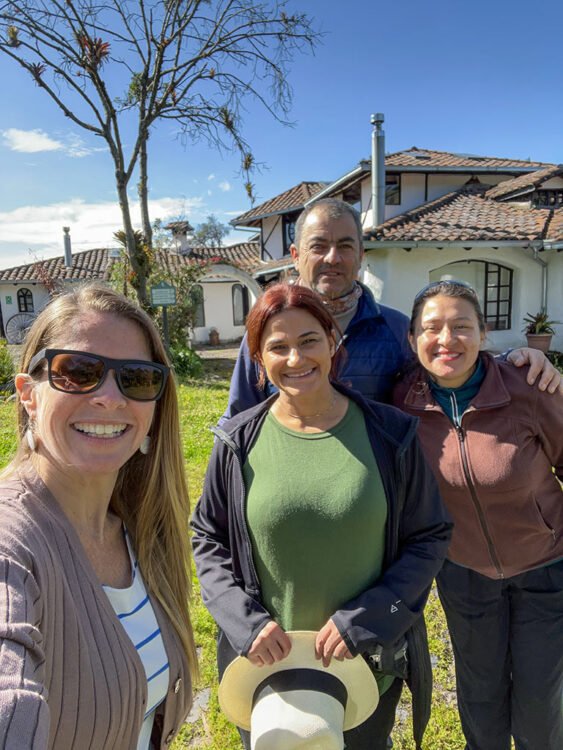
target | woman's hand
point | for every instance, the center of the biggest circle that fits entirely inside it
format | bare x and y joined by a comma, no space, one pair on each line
270,645
330,643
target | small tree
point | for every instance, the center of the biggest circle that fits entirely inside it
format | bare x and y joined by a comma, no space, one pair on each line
184,276
181,316
210,233
135,63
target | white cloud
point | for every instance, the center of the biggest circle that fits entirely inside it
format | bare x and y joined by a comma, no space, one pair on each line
38,229
211,176
30,141
36,141
225,186
76,148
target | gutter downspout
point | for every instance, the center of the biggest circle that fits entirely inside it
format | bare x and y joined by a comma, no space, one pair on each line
377,170
535,247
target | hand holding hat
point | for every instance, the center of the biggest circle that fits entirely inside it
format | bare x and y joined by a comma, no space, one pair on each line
329,643
298,702
270,645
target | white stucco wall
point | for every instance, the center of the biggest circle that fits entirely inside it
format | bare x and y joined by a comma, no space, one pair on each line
395,276
555,294
440,184
556,183
9,299
218,307
272,237
217,297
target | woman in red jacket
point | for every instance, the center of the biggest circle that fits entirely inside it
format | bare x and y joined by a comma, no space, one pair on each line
496,447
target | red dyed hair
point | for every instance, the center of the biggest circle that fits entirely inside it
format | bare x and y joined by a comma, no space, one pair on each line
275,300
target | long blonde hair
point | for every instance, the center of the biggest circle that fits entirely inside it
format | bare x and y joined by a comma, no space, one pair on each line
150,494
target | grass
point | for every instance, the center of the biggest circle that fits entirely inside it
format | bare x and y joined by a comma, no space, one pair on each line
201,404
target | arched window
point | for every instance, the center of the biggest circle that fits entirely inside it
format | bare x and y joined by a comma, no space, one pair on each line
196,293
288,230
240,304
25,300
497,297
493,284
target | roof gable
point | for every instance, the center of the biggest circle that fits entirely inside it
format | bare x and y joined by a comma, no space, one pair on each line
430,158
88,264
96,264
524,184
291,200
468,215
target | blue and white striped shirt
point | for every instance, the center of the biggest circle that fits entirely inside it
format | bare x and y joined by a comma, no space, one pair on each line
133,608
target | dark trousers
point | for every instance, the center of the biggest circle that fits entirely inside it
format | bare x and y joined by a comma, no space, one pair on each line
373,733
507,637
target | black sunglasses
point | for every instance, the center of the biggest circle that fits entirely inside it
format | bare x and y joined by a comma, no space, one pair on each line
444,282
83,372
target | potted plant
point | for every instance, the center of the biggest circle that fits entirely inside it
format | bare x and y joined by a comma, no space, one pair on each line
214,337
539,330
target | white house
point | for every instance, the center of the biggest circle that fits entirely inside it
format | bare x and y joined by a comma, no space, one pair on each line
496,223
228,289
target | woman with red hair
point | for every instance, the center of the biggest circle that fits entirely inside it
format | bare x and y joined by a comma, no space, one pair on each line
319,513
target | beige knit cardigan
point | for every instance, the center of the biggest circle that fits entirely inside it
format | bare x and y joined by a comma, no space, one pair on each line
70,677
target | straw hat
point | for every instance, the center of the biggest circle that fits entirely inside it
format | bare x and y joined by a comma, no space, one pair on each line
297,702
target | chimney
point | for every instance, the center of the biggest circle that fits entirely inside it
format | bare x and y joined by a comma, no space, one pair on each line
377,170
68,252
181,235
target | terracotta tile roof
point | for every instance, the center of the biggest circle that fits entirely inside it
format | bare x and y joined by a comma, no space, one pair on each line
293,199
555,229
285,264
179,226
96,264
421,160
423,157
89,264
525,183
243,255
465,216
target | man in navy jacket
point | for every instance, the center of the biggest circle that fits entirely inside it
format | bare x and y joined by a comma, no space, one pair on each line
328,253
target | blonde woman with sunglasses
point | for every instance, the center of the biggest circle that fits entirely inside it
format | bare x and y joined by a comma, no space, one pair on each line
96,646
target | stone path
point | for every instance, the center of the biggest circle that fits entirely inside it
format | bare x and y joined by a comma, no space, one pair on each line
219,352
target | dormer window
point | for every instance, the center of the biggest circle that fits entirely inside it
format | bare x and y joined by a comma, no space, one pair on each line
548,198
392,189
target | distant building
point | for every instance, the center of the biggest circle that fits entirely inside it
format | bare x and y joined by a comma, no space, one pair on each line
228,288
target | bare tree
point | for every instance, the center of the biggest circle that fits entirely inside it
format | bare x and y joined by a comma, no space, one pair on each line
113,65
210,233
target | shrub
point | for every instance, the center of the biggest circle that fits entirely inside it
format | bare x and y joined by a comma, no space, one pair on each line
6,368
556,358
186,363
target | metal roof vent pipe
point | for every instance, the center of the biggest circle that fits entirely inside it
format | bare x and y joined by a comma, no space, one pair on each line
68,251
377,170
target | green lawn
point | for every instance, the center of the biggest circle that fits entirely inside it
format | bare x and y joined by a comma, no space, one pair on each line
201,405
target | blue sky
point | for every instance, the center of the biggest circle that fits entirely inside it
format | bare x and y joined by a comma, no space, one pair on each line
481,77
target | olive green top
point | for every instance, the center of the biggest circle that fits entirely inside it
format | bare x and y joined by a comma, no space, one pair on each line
316,511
